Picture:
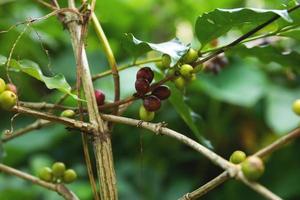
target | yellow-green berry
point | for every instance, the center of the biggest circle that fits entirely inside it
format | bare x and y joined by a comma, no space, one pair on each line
68,113
8,99
253,168
146,115
69,176
58,169
186,71
237,157
190,56
2,85
296,106
46,174
180,83
165,61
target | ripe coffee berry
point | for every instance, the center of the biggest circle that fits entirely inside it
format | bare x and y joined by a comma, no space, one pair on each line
142,86
162,92
100,97
152,103
145,73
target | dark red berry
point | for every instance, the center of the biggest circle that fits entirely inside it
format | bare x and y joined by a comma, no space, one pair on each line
100,97
162,92
145,73
152,103
142,86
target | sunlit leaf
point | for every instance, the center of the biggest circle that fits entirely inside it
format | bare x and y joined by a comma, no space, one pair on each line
214,24
173,48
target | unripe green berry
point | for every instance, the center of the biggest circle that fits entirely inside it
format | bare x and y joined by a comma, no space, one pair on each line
253,168
11,87
58,169
146,115
8,99
46,174
237,157
180,83
68,113
69,176
190,56
171,71
2,85
166,61
186,71
296,106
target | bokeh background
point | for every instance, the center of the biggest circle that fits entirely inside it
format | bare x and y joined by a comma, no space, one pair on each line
245,107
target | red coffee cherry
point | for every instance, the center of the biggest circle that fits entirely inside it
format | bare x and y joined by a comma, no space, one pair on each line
162,92
142,86
100,97
145,73
11,87
152,103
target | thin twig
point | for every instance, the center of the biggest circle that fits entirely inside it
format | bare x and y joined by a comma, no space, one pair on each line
278,143
83,126
59,188
207,187
34,126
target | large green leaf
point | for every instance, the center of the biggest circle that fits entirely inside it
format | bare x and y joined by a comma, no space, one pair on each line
31,68
268,54
173,48
240,84
279,114
214,24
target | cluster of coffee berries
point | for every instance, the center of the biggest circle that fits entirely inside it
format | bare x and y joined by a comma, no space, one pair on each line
151,99
296,107
8,95
252,166
57,174
216,64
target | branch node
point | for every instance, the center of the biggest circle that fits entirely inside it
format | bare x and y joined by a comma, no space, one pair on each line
187,196
159,126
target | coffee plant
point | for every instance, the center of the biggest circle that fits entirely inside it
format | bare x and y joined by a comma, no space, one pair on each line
165,72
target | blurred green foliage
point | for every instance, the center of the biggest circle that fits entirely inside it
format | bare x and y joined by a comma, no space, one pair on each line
246,106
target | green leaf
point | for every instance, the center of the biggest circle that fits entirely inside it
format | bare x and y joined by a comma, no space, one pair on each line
214,24
279,114
294,33
174,48
32,69
268,54
240,84
186,113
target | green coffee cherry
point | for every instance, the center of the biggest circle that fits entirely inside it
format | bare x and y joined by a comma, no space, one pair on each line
8,99
186,71
68,113
296,106
58,169
46,174
253,168
180,83
2,85
237,157
69,176
146,115
171,71
166,61
190,56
